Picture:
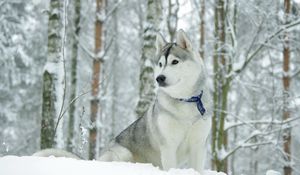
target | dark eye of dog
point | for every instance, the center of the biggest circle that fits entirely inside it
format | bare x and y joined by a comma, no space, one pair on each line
174,62
160,65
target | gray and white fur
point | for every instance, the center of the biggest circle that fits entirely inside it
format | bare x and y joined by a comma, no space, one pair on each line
172,133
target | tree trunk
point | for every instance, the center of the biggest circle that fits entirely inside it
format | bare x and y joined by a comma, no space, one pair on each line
95,78
73,76
52,79
48,112
221,89
286,86
202,28
215,93
235,119
172,18
153,19
114,66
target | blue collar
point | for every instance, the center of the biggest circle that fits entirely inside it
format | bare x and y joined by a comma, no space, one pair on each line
197,100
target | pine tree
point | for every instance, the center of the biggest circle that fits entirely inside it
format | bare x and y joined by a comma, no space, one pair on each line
286,93
96,78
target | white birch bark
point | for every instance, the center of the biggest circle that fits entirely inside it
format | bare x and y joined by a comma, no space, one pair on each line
53,76
153,20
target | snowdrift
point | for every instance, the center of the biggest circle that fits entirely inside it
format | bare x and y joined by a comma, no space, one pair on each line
13,165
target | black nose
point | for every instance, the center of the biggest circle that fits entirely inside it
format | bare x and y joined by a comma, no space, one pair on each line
161,80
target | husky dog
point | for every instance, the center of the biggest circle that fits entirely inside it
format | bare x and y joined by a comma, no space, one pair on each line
174,130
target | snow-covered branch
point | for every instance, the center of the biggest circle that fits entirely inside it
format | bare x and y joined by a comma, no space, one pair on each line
113,9
254,53
263,122
99,55
254,134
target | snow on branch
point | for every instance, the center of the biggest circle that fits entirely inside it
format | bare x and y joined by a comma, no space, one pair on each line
245,144
267,40
274,122
113,9
101,55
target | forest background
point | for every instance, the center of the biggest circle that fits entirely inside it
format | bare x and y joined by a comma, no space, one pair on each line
75,73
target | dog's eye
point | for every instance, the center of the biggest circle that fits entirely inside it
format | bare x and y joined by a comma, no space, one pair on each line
175,62
160,65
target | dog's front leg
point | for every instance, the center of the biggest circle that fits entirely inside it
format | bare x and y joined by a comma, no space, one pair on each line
168,158
197,156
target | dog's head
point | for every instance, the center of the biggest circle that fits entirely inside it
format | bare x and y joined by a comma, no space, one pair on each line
178,68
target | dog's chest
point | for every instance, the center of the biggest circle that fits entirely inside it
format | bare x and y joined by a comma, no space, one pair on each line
192,136
180,132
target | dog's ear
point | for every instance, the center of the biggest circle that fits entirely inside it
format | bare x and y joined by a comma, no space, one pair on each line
160,42
183,41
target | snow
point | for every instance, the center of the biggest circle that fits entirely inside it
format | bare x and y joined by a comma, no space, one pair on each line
272,172
13,165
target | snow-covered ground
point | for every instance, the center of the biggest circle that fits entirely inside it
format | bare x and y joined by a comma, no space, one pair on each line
29,165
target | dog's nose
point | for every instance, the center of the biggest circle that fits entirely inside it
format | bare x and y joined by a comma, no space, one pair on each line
161,80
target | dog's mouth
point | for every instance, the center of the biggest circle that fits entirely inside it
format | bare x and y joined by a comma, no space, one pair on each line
164,84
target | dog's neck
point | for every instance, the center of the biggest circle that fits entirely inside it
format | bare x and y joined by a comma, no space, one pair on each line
180,109
176,109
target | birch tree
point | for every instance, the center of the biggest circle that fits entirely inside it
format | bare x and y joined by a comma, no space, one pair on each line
146,92
73,76
52,76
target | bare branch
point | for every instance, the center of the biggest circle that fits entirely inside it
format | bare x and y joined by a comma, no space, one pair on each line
91,54
253,135
262,122
251,145
114,8
282,29
296,74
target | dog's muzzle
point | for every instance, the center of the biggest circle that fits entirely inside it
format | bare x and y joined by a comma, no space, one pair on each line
161,80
